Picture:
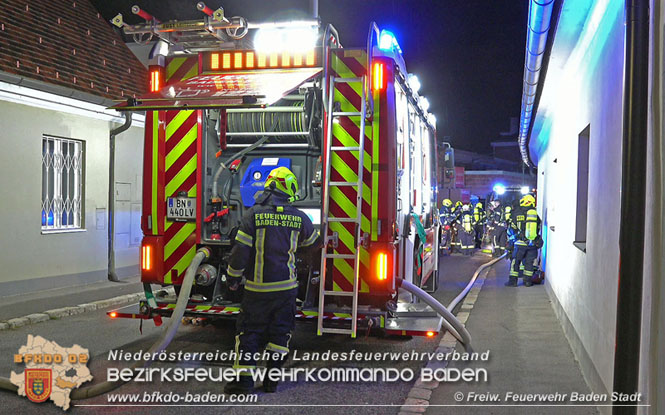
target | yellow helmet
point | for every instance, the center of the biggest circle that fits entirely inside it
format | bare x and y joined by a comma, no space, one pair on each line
284,180
447,203
528,200
479,205
458,203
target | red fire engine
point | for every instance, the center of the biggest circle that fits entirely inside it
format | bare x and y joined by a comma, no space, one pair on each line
224,110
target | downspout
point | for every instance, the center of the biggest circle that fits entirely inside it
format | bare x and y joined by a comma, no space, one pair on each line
111,236
314,6
540,15
633,195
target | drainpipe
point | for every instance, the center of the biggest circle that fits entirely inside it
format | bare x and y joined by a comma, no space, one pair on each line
633,189
315,8
540,14
111,237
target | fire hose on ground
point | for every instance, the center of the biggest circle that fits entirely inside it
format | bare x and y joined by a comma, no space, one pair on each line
450,322
160,345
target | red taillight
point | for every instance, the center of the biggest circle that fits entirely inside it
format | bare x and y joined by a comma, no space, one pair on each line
381,266
155,78
378,77
113,314
430,334
146,258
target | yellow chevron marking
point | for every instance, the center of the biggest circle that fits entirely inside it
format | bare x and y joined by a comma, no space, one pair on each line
343,71
347,271
192,192
181,147
177,122
192,72
178,239
349,208
173,66
182,265
347,239
203,307
349,175
180,178
347,140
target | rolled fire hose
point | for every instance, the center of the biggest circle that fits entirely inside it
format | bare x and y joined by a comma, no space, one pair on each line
157,347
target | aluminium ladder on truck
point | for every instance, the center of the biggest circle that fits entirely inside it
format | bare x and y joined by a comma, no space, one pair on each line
327,219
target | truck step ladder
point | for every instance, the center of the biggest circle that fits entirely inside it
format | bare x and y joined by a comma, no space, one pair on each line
327,257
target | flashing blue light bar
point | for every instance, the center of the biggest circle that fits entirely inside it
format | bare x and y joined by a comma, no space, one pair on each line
388,41
499,189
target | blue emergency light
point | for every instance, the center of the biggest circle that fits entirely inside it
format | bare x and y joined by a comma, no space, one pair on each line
499,189
388,41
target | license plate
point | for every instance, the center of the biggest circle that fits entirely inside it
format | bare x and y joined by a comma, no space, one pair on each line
181,208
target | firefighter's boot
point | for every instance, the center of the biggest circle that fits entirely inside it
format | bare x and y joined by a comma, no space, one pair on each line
527,281
512,282
243,386
270,386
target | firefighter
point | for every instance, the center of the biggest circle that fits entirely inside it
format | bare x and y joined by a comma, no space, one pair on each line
479,223
445,218
455,244
510,235
465,230
265,253
496,228
525,226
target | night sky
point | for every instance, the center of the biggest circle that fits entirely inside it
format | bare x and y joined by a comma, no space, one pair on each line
468,54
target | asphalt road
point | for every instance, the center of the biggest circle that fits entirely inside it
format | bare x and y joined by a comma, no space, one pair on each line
93,330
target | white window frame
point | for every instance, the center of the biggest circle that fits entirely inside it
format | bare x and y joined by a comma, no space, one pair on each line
63,167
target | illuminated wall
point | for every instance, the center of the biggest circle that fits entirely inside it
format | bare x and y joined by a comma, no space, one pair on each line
583,88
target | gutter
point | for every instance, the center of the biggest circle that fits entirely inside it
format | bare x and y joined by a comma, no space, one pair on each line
538,45
633,196
111,235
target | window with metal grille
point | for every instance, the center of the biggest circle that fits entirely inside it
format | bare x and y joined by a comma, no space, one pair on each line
62,183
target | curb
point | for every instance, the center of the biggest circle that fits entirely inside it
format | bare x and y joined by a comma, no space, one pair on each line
417,400
58,313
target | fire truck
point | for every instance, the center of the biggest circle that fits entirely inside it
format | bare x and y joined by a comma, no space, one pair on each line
229,100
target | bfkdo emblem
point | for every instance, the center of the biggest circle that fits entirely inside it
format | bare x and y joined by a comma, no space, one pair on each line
38,384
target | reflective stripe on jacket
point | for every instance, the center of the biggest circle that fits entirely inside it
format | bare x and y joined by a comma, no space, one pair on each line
269,235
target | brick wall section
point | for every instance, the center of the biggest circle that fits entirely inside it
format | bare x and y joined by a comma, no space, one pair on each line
68,43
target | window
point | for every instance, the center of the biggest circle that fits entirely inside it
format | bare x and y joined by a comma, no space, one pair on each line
62,183
582,189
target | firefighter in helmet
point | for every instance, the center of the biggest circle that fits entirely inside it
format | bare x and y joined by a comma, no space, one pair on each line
265,254
466,231
497,223
445,219
455,214
525,226
446,211
479,220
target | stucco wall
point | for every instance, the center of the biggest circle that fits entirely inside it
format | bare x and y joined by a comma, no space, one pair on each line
31,258
587,90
